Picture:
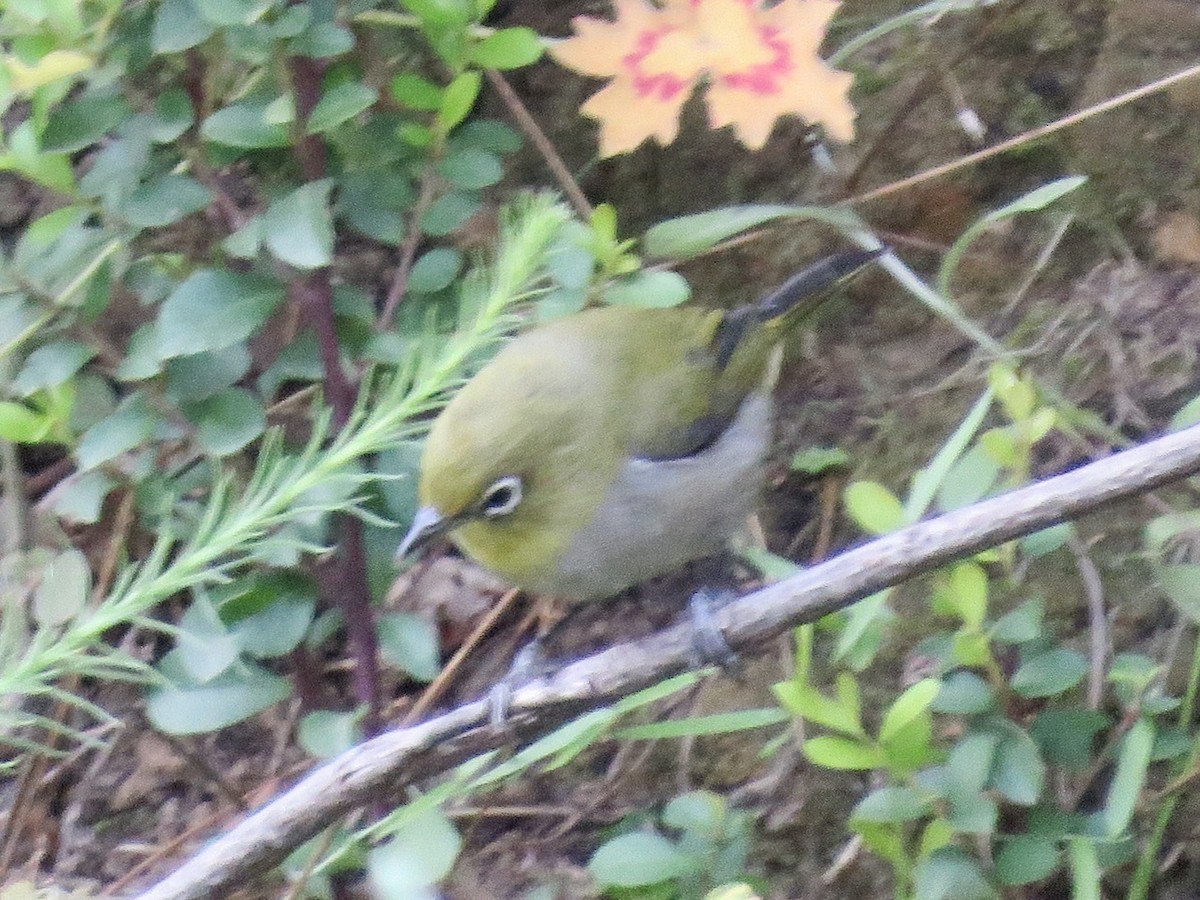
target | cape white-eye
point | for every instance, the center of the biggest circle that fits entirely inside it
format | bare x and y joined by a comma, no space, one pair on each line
612,445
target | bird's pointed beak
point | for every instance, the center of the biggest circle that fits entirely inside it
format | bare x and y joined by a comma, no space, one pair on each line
427,524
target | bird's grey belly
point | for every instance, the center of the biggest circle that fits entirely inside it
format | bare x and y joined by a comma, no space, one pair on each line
660,514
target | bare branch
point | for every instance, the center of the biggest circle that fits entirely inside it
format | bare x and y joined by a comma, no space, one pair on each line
380,766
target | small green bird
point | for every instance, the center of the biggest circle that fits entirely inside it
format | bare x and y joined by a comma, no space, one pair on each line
613,445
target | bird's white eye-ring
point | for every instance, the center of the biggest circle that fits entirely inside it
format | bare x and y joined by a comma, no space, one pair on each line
502,497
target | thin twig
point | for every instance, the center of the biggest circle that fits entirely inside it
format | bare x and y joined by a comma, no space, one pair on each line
438,686
541,143
404,755
314,291
1024,138
116,544
408,249
14,532
1093,589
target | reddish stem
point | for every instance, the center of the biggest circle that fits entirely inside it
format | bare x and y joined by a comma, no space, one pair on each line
315,291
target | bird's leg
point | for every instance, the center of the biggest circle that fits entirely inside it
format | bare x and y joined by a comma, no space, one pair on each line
526,665
531,660
709,646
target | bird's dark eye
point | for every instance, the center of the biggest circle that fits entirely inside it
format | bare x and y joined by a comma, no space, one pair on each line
502,497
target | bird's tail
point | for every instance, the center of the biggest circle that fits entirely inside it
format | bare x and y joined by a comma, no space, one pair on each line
808,283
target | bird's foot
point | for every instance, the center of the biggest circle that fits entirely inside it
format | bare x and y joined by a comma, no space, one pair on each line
709,646
529,662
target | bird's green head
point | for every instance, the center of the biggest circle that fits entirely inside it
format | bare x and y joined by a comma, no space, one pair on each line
514,465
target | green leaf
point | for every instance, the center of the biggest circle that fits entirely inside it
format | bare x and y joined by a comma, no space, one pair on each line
178,26
885,841
325,733
18,318
419,855
1021,625
79,498
1067,737
129,426
1181,583
688,235
971,760
416,92
914,702
1188,415
471,168
438,14
448,212
487,134
702,813
231,12
281,110
244,125
1050,673
51,365
81,123
874,508
285,605
911,746
322,41
195,377
1133,670
1001,445
63,591
458,98
172,115
340,104
165,200
1048,539
298,228
1170,743
434,270
1026,858
815,461
891,804
509,48
228,421
1018,771
973,813
648,290
204,647
411,644
1162,531
964,693
246,241
717,723
1085,868
1133,761
376,203
863,631
559,302
843,753
236,694
809,703
973,476
949,874
1034,200
568,738
639,858
213,309
968,591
